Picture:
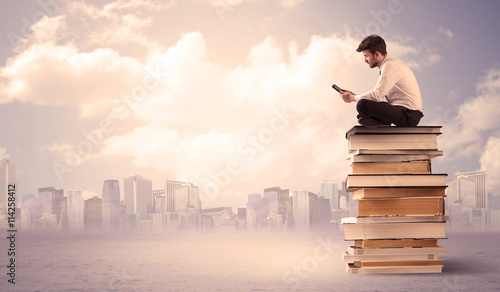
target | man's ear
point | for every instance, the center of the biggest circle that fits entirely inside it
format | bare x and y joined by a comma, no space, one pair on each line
377,53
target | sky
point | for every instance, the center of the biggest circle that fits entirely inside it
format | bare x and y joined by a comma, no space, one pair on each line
232,95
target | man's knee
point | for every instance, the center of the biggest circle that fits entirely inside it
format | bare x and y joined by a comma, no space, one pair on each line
363,106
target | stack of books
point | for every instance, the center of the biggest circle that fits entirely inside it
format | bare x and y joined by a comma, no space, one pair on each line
400,201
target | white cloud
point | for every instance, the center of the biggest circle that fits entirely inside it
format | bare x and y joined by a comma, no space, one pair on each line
446,31
51,74
490,161
234,3
74,155
82,57
3,153
475,120
276,114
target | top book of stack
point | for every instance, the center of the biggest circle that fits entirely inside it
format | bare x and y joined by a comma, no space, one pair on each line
423,138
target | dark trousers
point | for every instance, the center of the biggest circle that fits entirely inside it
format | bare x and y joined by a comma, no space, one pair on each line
384,112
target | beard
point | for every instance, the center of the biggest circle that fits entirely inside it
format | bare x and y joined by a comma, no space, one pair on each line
374,64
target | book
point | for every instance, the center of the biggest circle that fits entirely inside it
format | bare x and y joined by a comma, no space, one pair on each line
401,207
413,263
406,167
391,257
357,130
393,230
391,192
394,219
394,270
356,181
364,155
352,250
390,142
388,243
428,154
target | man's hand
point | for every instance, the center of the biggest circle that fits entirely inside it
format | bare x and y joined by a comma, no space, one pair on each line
347,95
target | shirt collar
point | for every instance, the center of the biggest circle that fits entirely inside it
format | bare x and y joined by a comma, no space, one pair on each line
385,59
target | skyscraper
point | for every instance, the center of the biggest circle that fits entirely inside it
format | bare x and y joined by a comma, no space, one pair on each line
283,197
272,197
301,209
138,193
254,209
7,176
56,199
93,214
159,201
170,199
111,209
187,196
75,209
303,204
460,188
329,190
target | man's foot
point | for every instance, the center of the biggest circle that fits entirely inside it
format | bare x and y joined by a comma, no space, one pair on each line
372,123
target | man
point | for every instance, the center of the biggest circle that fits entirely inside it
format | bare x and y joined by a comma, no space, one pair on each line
396,83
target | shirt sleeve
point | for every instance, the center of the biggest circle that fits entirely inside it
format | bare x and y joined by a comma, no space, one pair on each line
386,81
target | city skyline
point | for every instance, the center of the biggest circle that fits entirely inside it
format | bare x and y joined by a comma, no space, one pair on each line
236,95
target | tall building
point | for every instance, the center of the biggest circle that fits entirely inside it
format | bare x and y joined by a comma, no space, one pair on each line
93,214
187,196
242,218
56,197
272,197
329,190
111,210
7,177
75,209
460,189
324,212
301,209
138,193
170,199
33,208
283,197
159,201
304,203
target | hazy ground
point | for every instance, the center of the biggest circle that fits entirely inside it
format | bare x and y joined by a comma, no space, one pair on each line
238,261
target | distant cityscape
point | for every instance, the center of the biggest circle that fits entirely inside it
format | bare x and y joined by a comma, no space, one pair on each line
178,207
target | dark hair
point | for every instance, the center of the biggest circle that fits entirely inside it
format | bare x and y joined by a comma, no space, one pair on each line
373,43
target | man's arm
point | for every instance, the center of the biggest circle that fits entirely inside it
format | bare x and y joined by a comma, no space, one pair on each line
386,82
347,95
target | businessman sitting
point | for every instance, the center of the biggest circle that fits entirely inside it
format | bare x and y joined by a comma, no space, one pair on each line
396,83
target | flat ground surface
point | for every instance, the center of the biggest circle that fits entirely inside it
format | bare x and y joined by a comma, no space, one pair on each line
234,261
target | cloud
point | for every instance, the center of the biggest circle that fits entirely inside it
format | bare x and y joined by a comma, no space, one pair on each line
272,120
475,120
196,131
50,74
233,3
3,153
446,31
490,161
59,64
274,115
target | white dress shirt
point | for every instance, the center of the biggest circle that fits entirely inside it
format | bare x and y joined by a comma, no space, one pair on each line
397,84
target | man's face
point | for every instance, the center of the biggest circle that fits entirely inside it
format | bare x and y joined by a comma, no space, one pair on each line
370,59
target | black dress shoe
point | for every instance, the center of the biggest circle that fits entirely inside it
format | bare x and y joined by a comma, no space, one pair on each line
372,123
